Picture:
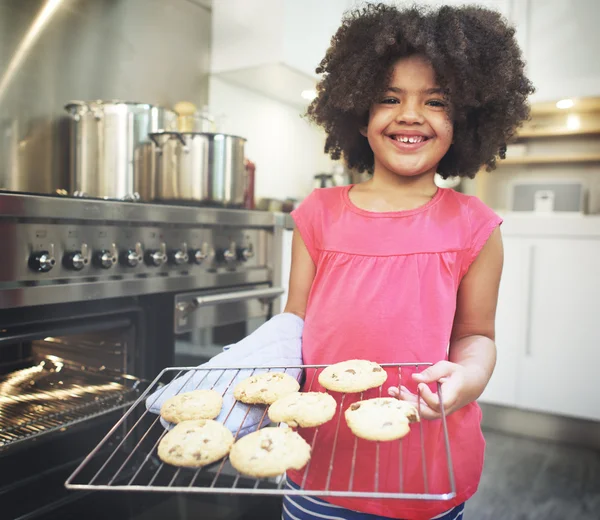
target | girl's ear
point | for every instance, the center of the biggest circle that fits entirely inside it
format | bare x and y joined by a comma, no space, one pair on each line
363,130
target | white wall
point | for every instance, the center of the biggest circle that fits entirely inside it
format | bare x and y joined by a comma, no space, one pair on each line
287,150
312,22
237,22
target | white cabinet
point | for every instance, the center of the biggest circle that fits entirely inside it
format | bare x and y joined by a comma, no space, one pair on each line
548,327
510,324
559,367
560,41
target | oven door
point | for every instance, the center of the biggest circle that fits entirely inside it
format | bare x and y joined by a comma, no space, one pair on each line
205,322
66,373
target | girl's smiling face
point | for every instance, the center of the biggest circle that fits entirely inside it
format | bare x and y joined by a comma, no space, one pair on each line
409,128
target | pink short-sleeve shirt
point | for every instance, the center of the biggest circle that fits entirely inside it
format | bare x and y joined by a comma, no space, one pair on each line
385,290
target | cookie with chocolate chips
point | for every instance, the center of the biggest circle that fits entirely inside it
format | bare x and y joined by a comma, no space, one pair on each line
381,419
188,406
265,388
193,444
269,452
356,375
305,409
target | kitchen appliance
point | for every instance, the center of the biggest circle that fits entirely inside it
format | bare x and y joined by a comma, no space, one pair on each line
250,178
560,196
33,154
324,180
112,155
96,297
204,168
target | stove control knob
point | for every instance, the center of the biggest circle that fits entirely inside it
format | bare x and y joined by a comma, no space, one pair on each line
245,253
229,256
157,257
198,256
106,258
179,256
132,257
42,261
77,260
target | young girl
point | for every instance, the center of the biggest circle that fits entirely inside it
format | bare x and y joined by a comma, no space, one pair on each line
396,269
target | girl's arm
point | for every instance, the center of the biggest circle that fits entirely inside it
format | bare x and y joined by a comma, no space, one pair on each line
472,354
302,274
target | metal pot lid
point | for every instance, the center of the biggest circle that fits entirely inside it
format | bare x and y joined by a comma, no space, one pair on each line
212,135
100,103
77,102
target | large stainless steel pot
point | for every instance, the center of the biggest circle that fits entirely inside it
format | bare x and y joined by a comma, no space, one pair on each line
33,154
111,152
201,167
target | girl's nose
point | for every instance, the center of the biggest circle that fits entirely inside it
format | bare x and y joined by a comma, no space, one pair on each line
409,113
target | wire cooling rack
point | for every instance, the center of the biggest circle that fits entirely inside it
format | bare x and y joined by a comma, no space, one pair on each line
126,458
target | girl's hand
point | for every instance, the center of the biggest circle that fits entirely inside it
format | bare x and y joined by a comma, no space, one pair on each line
460,386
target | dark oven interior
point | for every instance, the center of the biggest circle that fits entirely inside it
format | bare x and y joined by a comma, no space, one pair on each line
66,373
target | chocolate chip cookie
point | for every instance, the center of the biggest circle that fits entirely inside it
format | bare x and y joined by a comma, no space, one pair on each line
269,452
305,409
265,388
193,444
381,419
352,376
197,404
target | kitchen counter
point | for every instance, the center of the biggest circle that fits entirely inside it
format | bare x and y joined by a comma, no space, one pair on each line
551,225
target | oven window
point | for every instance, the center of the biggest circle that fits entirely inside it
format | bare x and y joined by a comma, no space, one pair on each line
52,382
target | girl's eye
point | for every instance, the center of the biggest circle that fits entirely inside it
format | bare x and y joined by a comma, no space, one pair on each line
389,101
436,103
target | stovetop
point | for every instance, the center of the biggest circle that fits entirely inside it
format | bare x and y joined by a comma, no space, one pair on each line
48,205
60,248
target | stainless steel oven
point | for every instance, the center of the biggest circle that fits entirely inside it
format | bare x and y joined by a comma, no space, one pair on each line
65,374
207,322
96,297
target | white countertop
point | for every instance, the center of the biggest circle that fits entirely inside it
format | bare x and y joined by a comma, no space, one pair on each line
552,225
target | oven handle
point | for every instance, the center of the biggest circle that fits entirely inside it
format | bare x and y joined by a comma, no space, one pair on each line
238,296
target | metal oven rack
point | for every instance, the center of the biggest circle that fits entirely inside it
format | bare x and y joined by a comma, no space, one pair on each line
39,400
132,464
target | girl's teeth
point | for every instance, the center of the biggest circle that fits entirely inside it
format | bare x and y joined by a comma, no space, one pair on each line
410,139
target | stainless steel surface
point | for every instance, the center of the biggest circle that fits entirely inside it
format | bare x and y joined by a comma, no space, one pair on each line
48,294
61,249
202,167
289,222
112,155
538,425
216,299
146,432
32,207
193,311
88,49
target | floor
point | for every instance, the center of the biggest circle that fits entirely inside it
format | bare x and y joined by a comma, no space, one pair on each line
523,479
526,479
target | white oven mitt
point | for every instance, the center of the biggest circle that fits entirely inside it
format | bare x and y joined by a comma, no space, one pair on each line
277,342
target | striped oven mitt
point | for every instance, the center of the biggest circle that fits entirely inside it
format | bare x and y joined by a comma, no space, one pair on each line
278,342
